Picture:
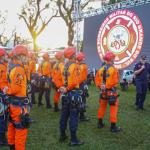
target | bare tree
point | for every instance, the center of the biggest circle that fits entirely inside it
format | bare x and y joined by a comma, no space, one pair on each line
32,14
3,17
66,8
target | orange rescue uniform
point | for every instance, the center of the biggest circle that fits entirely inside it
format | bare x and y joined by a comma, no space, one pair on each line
17,87
112,79
56,67
27,70
32,65
84,72
3,75
45,68
73,79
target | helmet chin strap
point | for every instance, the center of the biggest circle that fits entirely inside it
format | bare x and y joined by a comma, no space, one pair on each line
23,61
111,61
4,60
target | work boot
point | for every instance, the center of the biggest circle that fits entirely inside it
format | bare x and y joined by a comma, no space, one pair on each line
100,124
86,106
31,121
83,118
40,103
48,105
142,108
34,101
74,141
114,128
3,140
56,108
136,107
63,136
12,147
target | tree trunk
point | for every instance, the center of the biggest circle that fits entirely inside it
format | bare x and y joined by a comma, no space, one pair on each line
70,35
34,44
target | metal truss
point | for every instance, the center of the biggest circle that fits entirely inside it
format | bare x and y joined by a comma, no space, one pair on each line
77,11
109,8
78,16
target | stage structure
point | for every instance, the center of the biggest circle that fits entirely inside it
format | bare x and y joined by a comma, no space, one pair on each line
122,28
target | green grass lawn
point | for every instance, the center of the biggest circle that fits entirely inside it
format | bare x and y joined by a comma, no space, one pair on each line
135,134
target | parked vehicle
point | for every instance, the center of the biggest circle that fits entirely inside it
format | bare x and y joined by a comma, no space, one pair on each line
128,75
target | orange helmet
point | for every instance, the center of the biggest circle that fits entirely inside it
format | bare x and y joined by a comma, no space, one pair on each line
31,55
2,51
10,55
69,51
59,55
109,56
45,56
80,56
20,49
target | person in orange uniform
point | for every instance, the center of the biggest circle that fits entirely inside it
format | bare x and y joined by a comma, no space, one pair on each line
67,80
44,71
106,79
10,56
27,71
83,82
32,65
60,57
17,129
3,83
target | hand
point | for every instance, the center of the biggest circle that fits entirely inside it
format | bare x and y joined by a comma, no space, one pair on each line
40,74
62,89
143,67
52,80
103,87
4,90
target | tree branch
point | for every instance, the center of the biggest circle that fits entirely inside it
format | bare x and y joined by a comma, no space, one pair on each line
24,21
61,13
35,20
84,5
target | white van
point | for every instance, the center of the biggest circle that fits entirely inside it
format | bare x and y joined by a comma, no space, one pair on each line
128,74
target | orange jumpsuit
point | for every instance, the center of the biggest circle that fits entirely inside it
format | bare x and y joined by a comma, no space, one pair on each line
73,79
17,87
3,75
32,65
84,72
73,76
45,70
27,70
54,72
112,79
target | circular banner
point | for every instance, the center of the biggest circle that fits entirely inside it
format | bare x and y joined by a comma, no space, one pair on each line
122,34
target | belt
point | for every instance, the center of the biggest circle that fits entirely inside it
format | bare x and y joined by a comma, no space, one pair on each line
112,89
15,101
80,92
47,77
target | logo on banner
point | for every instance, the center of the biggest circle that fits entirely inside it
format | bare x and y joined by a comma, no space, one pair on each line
122,34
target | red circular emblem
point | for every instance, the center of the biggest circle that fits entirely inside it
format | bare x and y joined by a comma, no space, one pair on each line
122,34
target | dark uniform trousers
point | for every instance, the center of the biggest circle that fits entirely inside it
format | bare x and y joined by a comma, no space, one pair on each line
33,77
68,110
141,83
42,90
141,88
3,123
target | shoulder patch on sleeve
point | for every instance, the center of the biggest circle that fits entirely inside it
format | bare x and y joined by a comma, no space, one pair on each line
20,76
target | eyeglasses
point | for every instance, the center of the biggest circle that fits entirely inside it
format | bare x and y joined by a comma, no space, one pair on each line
143,59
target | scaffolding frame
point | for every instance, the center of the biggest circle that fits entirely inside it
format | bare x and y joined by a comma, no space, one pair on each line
78,16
